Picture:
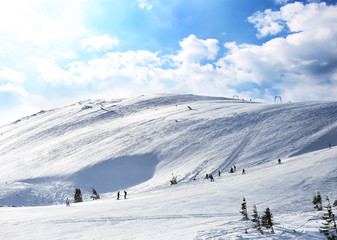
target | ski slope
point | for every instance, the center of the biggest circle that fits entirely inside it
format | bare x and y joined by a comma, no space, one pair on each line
138,144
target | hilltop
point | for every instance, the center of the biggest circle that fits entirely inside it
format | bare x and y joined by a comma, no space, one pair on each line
138,144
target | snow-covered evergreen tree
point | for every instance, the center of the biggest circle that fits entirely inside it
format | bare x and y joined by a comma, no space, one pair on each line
78,195
329,228
256,219
317,201
244,209
95,194
267,220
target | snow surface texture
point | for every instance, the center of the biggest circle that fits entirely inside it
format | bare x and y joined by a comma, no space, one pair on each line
138,144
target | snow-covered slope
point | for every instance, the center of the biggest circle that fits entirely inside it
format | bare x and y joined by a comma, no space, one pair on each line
139,143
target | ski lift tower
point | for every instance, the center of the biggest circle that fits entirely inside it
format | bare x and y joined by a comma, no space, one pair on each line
279,98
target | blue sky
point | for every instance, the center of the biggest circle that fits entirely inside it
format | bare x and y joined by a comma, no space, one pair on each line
54,53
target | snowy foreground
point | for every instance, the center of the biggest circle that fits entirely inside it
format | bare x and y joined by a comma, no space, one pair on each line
138,144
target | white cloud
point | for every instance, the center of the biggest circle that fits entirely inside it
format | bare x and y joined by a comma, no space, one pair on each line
267,23
194,49
40,22
11,75
13,88
135,72
301,66
144,4
100,43
281,1
50,72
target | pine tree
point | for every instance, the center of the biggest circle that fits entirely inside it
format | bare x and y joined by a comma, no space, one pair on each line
244,209
78,195
317,201
329,228
95,194
267,220
256,219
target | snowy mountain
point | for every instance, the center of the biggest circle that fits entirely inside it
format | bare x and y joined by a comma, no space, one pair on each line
138,144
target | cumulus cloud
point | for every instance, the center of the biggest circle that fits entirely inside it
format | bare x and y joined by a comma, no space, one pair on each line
194,49
267,23
306,57
8,74
100,43
144,4
13,88
52,73
143,72
300,66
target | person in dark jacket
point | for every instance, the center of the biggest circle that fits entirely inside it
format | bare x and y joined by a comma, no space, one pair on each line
125,193
118,194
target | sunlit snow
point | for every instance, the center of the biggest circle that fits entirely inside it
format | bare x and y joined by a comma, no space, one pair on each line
139,144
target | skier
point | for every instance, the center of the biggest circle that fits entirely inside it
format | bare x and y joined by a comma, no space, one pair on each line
234,168
219,173
330,145
211,177
243,171
279,161
118,194
231,171
67,203
207,176
125,193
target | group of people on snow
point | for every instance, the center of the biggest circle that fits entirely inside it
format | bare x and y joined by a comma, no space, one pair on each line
118,195
210,176
232,170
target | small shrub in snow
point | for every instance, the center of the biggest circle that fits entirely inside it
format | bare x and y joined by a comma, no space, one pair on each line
317,201
78,195
244,209
95,194
267,220
256,219
173,180
329,228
